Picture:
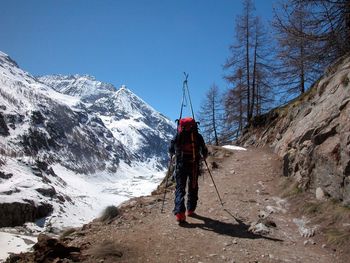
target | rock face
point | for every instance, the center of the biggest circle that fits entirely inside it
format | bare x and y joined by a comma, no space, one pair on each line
312,135
16,214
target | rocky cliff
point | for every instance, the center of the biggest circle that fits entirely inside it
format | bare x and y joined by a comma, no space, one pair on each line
312,135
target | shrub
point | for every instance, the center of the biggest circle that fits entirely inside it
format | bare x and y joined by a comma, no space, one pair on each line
109,214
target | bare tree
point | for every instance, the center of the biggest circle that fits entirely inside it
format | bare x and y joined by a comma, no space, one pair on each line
210,115
249,68
331,20
311,34
262,84
235,105
299,63
241,51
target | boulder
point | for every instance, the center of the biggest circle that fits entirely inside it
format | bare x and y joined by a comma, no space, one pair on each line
17,213
320,195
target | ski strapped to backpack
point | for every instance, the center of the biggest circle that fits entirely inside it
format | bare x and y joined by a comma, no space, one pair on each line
185,95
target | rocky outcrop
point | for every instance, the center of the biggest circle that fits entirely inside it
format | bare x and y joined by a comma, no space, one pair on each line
16,213
312,135
5,175
4,130
48,249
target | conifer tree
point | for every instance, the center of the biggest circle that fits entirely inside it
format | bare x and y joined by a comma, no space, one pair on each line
210,115
248,70
234,105
241,50
311,35
299,65
331,26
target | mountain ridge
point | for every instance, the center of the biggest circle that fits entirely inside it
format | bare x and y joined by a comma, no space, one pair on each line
52,143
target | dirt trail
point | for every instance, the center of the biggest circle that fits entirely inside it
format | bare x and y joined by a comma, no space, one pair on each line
247,183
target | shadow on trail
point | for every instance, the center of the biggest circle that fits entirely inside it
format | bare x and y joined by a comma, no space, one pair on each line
239,230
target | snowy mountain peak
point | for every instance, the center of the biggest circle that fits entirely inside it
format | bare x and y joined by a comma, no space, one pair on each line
4,58
125,90
85,87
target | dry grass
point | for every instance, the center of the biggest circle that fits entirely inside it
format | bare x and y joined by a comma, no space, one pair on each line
340,213
311,208
290,188
106,249
338,237
331,216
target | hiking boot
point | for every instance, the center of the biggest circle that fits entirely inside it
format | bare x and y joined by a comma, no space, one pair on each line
180,217
190,213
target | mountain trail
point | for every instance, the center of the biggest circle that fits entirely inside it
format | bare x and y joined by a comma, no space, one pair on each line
255,224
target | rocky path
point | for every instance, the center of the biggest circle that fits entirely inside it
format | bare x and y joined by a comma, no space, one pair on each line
255,224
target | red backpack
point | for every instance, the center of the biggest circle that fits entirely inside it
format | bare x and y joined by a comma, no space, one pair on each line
187,136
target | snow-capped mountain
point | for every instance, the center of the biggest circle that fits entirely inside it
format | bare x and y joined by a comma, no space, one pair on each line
85,87
139,128
71,145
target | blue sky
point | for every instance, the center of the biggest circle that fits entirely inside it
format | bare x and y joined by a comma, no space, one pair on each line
144,44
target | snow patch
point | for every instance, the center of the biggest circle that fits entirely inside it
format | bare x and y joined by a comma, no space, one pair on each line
14,243
303,229
233,147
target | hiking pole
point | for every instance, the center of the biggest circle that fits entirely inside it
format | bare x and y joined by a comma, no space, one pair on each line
166,182
222,204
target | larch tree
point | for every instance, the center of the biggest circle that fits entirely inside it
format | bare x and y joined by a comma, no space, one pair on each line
241,51
311,35
249,70
331,26
234,106
299,63
262,83
210,115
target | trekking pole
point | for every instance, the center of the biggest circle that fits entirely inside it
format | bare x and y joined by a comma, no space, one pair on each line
166,182
222,204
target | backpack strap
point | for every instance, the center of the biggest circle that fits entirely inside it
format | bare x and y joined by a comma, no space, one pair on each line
194,165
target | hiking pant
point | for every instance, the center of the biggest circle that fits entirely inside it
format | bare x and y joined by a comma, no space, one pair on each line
186,174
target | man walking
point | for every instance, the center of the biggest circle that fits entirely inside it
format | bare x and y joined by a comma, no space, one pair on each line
189,147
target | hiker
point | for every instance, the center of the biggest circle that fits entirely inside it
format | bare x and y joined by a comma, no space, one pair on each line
189,147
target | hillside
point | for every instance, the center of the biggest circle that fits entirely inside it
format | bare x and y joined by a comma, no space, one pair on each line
312,136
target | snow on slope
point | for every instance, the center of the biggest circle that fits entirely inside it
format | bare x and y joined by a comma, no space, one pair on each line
14,243
84,87
80,151
19,88
139,127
